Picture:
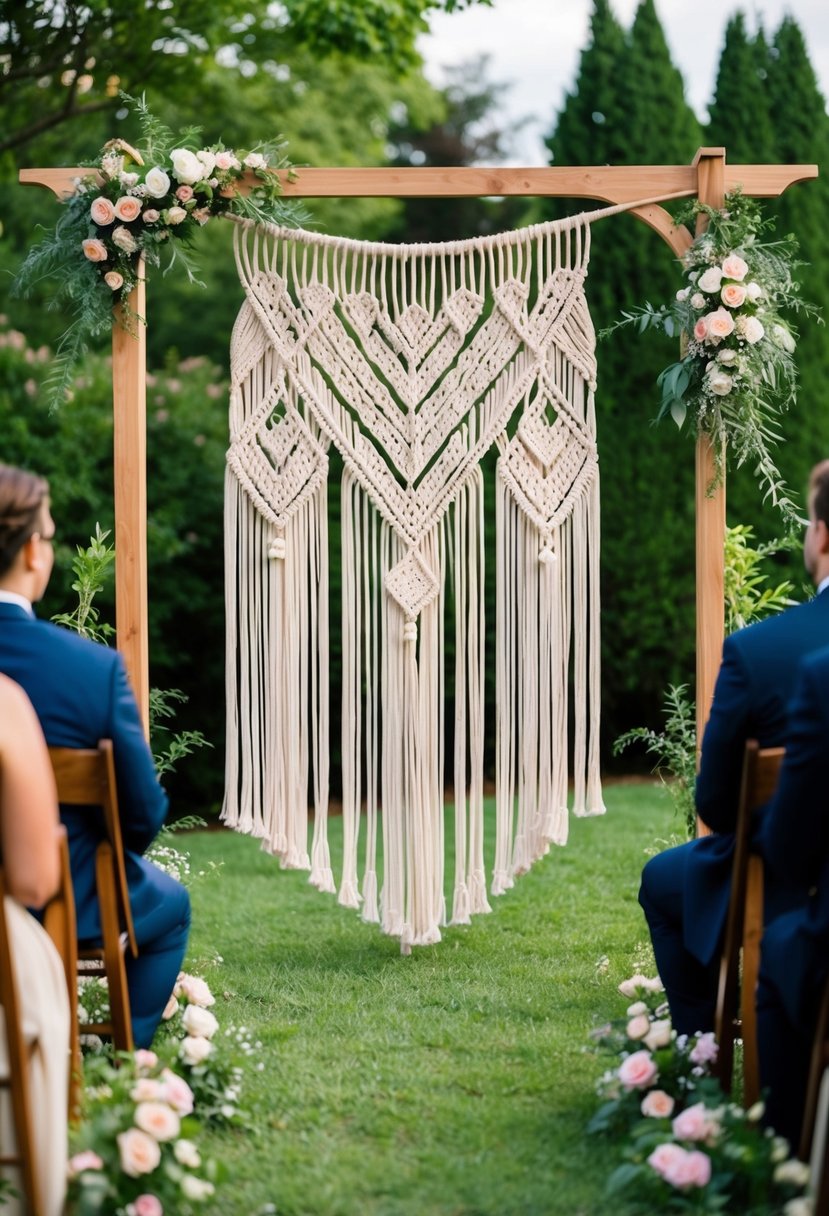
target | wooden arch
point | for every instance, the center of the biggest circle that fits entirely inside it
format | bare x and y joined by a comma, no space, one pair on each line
707,178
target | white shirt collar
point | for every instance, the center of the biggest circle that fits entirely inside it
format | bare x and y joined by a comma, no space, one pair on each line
823,584
11,597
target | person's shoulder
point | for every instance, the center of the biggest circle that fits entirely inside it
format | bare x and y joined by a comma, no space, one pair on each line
70,643
789,623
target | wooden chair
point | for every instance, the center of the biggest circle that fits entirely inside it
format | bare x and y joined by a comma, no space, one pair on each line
59,923
736,1014
21,1044
86,777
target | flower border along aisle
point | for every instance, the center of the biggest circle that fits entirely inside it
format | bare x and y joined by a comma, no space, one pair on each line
684,1146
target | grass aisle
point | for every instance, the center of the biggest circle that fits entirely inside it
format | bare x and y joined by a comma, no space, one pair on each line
448,1083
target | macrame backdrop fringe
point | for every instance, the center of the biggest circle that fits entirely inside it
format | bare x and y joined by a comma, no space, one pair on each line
413,361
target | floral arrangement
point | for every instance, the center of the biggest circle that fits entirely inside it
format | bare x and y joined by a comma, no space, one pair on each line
737,373
685,1147
135,1153
207,1058
143,205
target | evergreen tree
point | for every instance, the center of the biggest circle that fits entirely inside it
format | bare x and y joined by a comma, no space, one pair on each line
742,89
592,110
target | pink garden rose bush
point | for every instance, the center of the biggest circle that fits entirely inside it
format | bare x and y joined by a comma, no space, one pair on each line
683,1145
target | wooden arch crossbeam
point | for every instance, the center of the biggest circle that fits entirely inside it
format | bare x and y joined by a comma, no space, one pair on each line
707,178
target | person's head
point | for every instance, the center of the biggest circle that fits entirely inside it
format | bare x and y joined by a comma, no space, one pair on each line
26,531
816,542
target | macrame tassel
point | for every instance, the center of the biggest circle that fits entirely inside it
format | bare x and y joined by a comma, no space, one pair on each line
321,876
506,672
372,590
352,628
393,652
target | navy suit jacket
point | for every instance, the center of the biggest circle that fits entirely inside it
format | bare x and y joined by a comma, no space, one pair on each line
751,697
795,845
81,694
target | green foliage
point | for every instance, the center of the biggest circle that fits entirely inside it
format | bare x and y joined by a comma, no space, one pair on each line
168,748
747,598
675,749
92,567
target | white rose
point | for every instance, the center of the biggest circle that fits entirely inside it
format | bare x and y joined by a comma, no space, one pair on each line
698,300
186,1153
255,160
196,1188
748,327
638,1027
636,1008
194,989
128,179
175,215
800,1206
711,280
157,183
727,356
208,159
197,1021
195,1049
187,167
720,383
659,1034
123,238
792,1171
753,291
682,294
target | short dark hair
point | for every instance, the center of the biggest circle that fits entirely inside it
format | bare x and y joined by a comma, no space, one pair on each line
819,491
22,496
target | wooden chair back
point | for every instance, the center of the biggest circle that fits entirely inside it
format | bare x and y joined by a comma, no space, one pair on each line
85,777
59,923
736,1014
16,1078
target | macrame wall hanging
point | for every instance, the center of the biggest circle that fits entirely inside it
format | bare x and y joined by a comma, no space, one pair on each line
412,362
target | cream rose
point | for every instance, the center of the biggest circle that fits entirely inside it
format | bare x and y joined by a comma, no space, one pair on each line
734,267
186,1153
102,210
727,357
638,1071
751,329
95,250
636,1008
123,238
201,215
196,1188
208,160
783,337
657,1104
114,280
720,324
195,1049
753,291
128,208
711,280
255,160
698,300
638,1027
157,182
175,215
792,1171
720,383
138,1152
146,1090
187,167
659,1034
683,294
630,987
195,990
733,295
198,1021
158,1120
226,160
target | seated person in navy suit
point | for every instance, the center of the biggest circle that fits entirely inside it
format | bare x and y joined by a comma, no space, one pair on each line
684,892
795,949
81,694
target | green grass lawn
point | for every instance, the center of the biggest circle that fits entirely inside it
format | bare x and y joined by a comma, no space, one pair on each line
453,1082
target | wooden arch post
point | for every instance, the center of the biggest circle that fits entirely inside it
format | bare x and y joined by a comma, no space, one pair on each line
707,178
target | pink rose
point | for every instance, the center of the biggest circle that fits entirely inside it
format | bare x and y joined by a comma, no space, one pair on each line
705,1049
150,216
664,1157
146,1089
226,160
720,324
114,280
701,329
734,267
733,295
145,1059
147,1205
691,1169
201,215
695,1123
158,1120
657,1104
139,1153
102,211
195,990
638,1071
95,250
177,1092
128,208
84,1161
184,194
171,1008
